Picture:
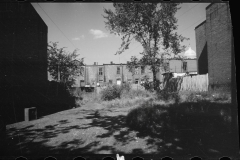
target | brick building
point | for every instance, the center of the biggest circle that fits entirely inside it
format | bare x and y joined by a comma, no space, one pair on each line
110,74
117,73
23,44
23,57
214,45
182,66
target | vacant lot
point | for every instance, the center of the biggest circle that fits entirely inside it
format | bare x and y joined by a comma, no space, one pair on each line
95,128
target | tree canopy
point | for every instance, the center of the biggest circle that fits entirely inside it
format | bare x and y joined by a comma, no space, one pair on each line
153,25
63,66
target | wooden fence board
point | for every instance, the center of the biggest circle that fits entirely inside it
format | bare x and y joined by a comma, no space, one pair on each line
195,83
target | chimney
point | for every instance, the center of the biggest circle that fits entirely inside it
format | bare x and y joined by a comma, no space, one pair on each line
127,62
111,62
94,63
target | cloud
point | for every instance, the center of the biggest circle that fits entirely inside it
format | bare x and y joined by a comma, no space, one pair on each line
98,33
78,38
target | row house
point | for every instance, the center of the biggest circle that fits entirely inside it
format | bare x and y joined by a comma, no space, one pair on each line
117,73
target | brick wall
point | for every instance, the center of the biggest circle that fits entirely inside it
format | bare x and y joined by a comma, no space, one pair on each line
213,40
201,48
23,60
23,45
218,31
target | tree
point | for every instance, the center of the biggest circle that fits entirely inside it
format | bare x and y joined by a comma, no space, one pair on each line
63,66
152,25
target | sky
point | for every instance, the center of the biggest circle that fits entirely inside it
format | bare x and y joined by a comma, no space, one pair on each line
81,26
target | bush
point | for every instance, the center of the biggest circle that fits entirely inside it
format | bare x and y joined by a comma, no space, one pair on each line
167,96
76,92
133,93
111,92
126,87
148,86
148,117
207,118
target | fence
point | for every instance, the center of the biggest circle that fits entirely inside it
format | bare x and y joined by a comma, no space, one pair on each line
195,83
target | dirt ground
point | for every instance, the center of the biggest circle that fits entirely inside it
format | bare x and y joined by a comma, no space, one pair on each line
96,129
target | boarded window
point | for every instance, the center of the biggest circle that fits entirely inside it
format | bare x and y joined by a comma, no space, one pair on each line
100,71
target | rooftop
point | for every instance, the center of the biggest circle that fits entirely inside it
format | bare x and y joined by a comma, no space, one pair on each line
200,24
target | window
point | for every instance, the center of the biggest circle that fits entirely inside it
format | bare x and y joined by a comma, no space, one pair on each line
110,81
118,81
136,81
129,80
136,70
184,66
118,70
100,71
82,71
142,69
82,84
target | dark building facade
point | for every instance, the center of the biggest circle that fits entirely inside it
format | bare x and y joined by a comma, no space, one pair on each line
23,55
214,45
24,44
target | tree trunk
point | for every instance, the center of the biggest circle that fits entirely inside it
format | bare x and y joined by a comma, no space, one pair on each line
155,86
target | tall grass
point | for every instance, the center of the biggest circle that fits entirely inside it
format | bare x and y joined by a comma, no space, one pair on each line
154,118
212,96
148,117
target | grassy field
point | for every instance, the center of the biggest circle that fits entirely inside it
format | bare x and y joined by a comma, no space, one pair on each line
132,122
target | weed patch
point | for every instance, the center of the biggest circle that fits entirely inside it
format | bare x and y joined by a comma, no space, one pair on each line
207,118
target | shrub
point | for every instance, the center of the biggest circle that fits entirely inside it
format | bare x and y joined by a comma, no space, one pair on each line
147,117
148,86
126,87
207,118
111,92
133,93
167,96
76,92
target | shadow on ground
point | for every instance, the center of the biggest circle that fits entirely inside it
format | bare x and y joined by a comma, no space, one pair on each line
180,139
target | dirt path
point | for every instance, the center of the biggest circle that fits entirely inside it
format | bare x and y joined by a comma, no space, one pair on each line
92,128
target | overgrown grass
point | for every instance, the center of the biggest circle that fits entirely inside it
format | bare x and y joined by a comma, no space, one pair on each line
207,113
206,117
212,96
126,96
